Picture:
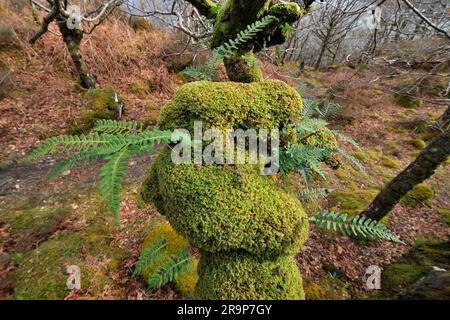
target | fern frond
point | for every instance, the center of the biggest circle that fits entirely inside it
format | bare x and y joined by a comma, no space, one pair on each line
345,138
309,108
309,126
329,110
115,126
313,194
359,226
203,72
150,255
111,175
176,265
230,47
355,163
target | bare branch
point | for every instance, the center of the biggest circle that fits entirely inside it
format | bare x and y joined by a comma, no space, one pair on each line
427,21
46,21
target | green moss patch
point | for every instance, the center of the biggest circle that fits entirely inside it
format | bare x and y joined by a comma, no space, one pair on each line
227,207
405,278
156,231
30,226
327,288
236,275
352,202
41,273
418,143
98,104
408,102
227,105
445,214
420,194
390,163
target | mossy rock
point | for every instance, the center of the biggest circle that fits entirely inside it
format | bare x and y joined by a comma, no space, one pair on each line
390,163
237,275
421,193
32,225
230,105
412,276
156,231
226,207
98,104
186,282
408,102
353,202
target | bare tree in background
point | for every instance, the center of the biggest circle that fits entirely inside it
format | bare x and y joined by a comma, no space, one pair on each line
332,22
69,18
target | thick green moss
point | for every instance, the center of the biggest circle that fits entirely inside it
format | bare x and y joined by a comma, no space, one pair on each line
390,163
158,229
98,104
421,193
402,280
419,143
445,214
186,282
227,105
226,207
327,288
235,275
353,202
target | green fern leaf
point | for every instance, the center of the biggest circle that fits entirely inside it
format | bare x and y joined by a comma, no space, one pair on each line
111,175
359,226
150,255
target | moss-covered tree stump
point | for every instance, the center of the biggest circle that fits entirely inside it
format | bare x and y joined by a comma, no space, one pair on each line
247,228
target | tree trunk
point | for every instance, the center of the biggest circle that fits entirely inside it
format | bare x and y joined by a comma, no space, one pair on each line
72,39
421,169
234,16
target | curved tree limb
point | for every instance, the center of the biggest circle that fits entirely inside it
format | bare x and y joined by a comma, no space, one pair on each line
56,8
427,21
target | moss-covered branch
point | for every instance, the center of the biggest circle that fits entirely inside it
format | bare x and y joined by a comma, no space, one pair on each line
235,15
206,8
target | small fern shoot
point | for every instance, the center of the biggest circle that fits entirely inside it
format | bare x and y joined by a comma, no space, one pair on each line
176,265
150,255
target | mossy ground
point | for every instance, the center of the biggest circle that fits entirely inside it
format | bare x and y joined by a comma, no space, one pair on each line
401,279
420,194
48,234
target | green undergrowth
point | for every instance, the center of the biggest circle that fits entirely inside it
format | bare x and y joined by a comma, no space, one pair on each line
47,247
419,195
410,277
159,229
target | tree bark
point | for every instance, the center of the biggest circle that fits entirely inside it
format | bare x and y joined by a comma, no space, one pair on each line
234,16
72,38
421,169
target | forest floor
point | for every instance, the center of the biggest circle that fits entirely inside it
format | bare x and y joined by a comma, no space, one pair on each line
47,225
